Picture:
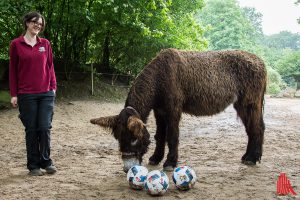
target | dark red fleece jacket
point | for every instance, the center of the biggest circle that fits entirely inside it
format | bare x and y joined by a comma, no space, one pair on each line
31,69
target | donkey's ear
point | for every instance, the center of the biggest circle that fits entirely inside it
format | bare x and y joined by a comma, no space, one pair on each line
136,126
108,122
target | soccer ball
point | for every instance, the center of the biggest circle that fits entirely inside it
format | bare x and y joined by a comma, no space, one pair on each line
184,177
136,177
157,183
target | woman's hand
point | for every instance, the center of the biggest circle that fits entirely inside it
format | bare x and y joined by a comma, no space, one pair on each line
14,102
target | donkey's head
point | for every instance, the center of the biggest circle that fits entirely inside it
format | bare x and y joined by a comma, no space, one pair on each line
130,131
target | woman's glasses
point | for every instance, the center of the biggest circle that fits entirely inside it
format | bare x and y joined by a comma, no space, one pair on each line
37,23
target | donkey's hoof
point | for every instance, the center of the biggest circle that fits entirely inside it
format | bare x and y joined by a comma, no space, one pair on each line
251,159
154,160
168,168
248,162
151,162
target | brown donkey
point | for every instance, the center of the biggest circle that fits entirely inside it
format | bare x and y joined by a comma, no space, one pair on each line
198,83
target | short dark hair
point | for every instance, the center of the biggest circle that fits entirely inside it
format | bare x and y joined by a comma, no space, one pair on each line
33,15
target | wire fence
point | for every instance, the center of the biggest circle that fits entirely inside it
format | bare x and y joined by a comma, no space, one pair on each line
93,74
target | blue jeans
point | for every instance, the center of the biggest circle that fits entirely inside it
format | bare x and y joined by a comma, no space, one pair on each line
36,112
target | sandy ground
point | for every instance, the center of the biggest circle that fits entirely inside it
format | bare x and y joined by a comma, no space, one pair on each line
90,167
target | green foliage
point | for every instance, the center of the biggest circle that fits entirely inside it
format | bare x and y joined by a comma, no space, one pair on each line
4,98
283,40
11,12
275,83
82,90
142,28
231,27
273,88
121,35
188,26
255,18
228,27
288,66
270,55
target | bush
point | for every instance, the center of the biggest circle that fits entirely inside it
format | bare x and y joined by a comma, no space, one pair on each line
273,88
275,83
4,99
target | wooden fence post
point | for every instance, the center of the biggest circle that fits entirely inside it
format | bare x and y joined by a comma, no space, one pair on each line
92,78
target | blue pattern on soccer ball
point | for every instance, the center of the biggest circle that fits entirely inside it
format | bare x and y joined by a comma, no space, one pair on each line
185,184
146,186
143,178
131,179
157,183
184,177
174,180
134,170
165,185
189,174
154,177
178,168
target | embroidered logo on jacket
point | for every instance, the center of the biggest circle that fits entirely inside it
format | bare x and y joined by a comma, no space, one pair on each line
42,49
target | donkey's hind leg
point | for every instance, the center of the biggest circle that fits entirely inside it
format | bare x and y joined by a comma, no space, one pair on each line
252,117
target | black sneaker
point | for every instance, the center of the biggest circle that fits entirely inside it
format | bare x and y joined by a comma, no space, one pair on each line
51,169
36,172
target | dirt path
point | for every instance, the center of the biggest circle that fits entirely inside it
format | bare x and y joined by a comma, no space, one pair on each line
90,166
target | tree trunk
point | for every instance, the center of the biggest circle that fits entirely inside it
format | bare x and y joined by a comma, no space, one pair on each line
105,54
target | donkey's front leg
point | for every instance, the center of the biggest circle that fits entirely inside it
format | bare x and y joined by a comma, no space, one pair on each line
160,138
173,141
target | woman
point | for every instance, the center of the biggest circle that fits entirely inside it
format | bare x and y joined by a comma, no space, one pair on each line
32,87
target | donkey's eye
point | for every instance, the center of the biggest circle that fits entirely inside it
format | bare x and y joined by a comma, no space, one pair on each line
134,142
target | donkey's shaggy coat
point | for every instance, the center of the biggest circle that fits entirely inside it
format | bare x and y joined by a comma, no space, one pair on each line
198,83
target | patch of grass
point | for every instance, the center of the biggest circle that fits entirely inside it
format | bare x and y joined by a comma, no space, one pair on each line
4,96
81,90
4,99
103,91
